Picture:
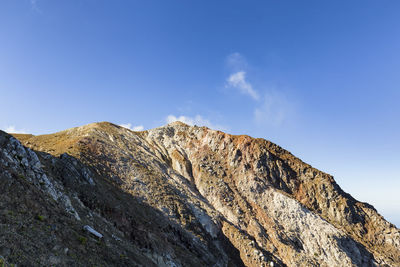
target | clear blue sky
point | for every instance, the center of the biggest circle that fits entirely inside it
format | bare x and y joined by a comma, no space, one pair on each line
319,78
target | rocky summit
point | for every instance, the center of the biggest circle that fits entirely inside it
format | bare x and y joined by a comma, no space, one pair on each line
178,195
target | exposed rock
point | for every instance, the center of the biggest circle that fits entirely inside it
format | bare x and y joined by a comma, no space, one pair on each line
182,196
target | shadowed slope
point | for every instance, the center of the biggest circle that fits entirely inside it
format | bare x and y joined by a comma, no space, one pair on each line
237,190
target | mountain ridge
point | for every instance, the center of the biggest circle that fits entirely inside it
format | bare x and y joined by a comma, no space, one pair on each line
263,203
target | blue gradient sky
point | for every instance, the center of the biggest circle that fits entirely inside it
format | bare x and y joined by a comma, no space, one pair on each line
319,78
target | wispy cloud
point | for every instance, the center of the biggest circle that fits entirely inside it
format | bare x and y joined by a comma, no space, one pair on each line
238,65
271,106
12,129
236,62
274,110
134,128
196,120
238,80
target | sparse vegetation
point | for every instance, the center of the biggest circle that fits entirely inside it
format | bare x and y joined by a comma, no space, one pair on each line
82,240
131,183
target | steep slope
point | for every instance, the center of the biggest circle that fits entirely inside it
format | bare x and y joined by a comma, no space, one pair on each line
46,201
228,200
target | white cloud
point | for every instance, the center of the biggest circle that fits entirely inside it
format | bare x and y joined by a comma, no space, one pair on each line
275,109
138,128
238,80
12,129
197,120
272,107
184,119
134,128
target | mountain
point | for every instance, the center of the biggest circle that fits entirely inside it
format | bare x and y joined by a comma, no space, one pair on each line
178,195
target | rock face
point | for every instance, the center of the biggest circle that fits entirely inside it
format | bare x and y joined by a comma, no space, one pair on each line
178,196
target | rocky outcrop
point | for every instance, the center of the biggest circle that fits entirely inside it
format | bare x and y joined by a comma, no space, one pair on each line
191,196
48,204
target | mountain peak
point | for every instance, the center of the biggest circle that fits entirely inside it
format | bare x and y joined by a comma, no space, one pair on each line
187,196
178,123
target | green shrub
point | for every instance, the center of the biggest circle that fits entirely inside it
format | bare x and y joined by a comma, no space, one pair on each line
40,217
